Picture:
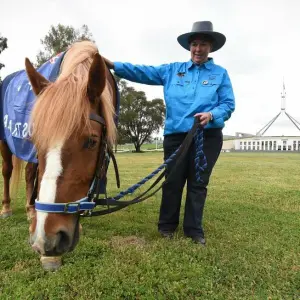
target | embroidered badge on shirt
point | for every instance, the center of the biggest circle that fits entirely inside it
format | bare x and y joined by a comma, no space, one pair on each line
204,82
180,74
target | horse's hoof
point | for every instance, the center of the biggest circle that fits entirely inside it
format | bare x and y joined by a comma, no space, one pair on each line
51,263
5,214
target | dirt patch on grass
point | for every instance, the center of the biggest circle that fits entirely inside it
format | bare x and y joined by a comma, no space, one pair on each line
121,241
19,266
296,268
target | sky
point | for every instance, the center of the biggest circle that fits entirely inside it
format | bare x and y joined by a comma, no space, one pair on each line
263,39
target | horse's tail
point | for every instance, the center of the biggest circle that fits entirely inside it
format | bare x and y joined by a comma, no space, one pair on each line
18,165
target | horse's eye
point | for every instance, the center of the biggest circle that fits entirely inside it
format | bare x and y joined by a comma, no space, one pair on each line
90,143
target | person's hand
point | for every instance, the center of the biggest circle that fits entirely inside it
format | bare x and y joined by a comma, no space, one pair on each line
204,117
108,63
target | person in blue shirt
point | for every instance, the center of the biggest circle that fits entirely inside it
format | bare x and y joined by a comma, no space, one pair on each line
199,89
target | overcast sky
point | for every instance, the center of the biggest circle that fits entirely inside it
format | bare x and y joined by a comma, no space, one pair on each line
263,39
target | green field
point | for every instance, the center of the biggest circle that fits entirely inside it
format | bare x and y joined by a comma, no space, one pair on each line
252,225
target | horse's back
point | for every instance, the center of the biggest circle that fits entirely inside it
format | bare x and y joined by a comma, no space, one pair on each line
17,101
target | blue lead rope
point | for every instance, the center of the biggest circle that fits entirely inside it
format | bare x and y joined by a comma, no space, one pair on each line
200,159
84,204
134,187
200,165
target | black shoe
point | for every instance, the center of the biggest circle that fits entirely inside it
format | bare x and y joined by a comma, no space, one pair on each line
166,234
199,240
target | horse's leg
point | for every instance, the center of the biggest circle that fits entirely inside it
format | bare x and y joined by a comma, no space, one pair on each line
30,173
7,168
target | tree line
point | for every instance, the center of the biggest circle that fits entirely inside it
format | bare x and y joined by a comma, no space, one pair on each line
3,46
139,117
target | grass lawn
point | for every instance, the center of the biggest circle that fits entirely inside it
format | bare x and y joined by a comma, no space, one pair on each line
252,226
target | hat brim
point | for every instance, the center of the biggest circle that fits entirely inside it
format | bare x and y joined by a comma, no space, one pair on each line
218,43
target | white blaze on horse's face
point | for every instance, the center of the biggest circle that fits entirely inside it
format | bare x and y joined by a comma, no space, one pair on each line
47,193
53,171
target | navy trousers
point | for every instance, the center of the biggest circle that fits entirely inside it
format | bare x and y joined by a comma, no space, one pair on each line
185,173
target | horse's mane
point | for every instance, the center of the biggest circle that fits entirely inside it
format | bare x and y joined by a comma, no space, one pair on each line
63,108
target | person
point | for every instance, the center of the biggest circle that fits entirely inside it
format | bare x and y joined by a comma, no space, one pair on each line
199,89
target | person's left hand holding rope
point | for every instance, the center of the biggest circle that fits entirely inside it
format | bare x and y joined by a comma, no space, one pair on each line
204,117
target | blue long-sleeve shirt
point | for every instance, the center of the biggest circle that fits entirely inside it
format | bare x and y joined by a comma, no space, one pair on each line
188,89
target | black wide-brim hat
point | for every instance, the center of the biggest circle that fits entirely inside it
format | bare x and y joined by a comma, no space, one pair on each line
203,27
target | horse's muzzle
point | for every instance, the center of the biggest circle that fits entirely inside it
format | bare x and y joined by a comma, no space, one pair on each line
55,245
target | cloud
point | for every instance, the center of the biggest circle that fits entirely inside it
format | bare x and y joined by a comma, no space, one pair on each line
261,48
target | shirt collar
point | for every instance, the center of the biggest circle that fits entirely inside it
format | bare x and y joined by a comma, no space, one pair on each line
208,65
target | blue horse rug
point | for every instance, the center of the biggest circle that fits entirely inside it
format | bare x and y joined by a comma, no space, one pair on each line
16,102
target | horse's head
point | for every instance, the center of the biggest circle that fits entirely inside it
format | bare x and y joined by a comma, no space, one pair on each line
68,141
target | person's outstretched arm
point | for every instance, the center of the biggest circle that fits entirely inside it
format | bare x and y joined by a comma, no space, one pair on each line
152,75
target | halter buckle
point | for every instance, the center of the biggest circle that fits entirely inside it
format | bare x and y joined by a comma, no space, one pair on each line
69,204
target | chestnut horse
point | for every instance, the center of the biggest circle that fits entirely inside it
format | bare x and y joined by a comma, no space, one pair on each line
67,140
17,100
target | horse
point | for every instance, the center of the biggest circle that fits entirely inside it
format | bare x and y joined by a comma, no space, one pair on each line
68,142
16,148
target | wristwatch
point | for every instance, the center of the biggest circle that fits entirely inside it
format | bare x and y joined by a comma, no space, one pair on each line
211,116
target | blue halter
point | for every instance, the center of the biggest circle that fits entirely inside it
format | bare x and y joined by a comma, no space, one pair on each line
65,208
84,204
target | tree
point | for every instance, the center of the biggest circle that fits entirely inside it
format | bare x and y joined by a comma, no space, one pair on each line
3,46
138,118
59,38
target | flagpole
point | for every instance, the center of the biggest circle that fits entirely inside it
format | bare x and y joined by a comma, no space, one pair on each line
283,94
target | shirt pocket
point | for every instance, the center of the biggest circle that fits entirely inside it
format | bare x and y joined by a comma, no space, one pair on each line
180,87
179,100
207,92
213,80
183,81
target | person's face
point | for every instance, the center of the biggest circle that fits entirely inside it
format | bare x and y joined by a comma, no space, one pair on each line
199,50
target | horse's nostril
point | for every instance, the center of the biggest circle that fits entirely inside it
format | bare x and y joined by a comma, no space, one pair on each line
63,242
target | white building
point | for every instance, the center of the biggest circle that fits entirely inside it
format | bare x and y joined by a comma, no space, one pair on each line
282,133
268,143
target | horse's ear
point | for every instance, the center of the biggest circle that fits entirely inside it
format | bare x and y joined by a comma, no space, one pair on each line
38,82
97,78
